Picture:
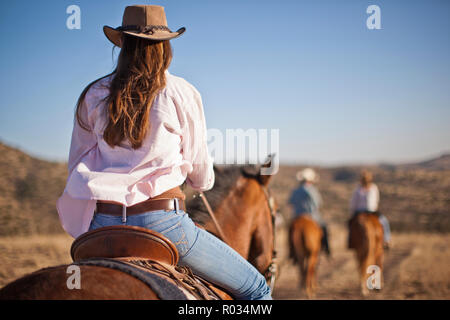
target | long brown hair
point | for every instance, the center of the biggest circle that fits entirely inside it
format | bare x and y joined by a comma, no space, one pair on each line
366,178
139,77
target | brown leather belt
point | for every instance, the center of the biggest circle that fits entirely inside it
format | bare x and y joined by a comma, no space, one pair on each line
145,206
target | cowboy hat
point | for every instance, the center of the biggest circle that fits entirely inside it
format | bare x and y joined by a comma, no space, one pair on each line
142,21
307,174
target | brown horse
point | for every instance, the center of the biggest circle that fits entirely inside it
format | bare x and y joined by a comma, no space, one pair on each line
239,200
366,237
305,237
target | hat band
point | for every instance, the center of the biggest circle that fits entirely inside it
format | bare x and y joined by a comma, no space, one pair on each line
150,29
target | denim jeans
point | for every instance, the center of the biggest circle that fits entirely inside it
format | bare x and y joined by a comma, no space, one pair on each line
386,228
206,255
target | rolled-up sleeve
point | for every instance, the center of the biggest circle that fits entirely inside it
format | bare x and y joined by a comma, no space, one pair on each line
202,175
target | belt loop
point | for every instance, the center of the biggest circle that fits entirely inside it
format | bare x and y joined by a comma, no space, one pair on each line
124,213
176,205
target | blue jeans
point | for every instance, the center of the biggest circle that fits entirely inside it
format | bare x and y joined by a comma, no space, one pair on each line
386,228
206,255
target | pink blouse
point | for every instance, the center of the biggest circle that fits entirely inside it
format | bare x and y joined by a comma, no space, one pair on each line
365,199
174,150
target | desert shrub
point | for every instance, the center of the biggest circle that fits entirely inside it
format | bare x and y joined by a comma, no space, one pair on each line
345,175
27,188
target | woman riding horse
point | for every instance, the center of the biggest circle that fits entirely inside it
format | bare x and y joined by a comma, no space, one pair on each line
365,199
139,133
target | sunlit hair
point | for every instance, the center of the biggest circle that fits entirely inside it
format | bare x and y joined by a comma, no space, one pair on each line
366,178
138,78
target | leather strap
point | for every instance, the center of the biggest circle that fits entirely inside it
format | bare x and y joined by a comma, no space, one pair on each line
213,217
145,206
143,29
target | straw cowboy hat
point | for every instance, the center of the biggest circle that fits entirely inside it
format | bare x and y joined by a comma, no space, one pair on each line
142,21
307,174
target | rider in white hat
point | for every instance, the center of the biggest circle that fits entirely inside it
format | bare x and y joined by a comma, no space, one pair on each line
306,199
307,174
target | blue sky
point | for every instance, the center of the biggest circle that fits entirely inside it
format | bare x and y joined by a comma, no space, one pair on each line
337,91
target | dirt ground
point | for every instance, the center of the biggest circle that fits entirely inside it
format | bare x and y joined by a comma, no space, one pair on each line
417,266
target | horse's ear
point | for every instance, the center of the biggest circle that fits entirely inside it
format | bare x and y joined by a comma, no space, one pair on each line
264,174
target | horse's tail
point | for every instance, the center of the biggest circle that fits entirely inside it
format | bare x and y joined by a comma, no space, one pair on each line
365,241
369,233
376,239
312,238
309,235
304,244
296,241
304,237
305,240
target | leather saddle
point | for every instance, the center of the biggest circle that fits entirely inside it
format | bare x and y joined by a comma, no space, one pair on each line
134,249
124,242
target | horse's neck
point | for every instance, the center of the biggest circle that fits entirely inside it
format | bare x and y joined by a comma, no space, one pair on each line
248,227
236,227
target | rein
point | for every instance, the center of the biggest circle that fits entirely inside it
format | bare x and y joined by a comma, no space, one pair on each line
213,217
271,272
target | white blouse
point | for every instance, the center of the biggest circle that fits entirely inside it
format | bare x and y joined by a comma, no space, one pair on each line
174,150
365,199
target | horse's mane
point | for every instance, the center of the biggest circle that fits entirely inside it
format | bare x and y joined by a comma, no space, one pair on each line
225,179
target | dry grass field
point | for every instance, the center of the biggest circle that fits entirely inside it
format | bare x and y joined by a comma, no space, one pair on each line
415,198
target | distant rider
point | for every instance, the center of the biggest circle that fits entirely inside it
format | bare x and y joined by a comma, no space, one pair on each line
366,198
306,199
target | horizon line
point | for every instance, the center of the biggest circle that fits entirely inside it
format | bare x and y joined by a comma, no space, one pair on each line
299,162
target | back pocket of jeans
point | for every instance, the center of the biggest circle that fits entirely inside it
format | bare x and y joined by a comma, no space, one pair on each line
177,236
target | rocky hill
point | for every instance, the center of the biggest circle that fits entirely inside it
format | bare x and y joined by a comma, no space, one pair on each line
439,163
29,188
415,197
